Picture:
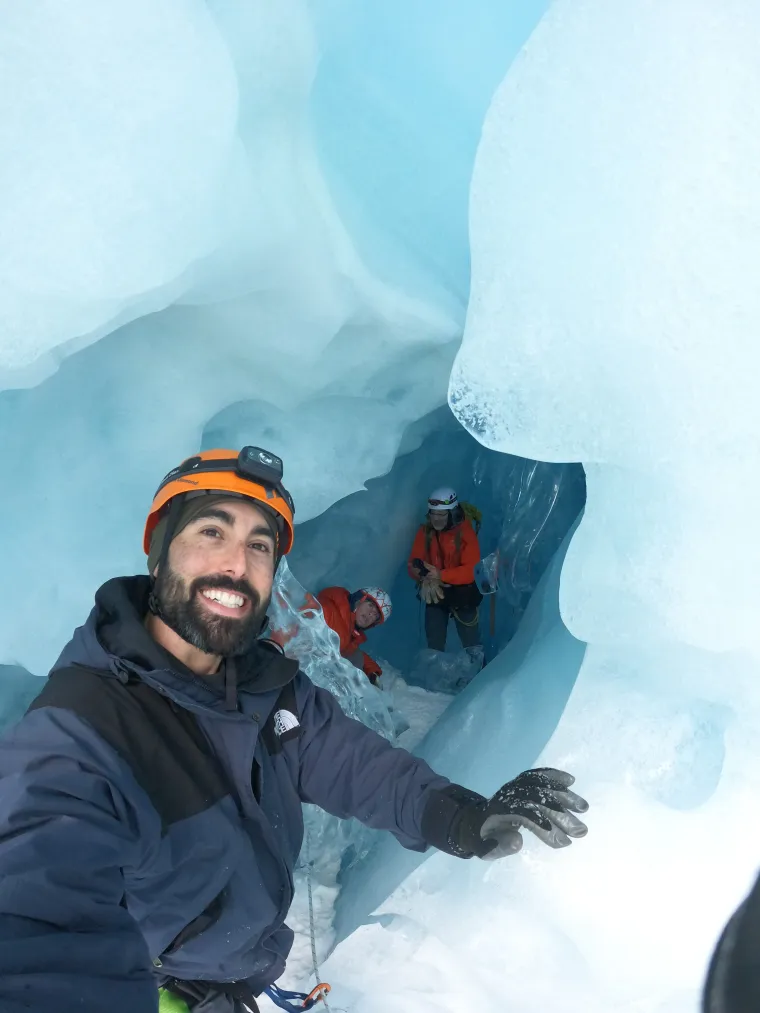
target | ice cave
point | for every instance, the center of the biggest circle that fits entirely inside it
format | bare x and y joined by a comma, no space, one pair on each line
505,247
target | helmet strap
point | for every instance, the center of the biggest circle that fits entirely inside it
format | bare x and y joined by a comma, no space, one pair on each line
355,600
172,519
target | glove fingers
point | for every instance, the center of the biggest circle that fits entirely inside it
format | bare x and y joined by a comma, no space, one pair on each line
549,834
553,828
571,825
431,591
570,800
557,826
537,800
501,837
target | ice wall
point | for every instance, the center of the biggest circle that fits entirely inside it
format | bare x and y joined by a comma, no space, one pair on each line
117,126
613,320
272,309
240,238
398,104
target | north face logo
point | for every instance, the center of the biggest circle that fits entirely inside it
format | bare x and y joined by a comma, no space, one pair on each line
284,722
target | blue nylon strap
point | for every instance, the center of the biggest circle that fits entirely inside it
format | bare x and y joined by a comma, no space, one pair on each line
281,997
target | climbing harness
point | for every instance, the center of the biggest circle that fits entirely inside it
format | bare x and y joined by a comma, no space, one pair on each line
296,1002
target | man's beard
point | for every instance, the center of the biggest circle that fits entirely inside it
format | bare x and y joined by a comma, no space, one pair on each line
181,609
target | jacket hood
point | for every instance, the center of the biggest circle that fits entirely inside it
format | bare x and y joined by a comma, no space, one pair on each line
114,639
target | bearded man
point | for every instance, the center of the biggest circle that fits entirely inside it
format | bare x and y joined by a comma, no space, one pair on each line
150,799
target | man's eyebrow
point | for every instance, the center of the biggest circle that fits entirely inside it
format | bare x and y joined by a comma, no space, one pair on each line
218,514
215,514
262,529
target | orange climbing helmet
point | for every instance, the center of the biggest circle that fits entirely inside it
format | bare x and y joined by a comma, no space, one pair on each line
252,473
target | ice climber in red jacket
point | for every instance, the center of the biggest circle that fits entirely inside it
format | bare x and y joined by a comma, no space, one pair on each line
442,561
350,615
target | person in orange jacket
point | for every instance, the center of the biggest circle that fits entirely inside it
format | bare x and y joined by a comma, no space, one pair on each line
442,562
349,615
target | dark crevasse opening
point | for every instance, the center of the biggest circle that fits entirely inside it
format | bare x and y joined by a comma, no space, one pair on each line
527,509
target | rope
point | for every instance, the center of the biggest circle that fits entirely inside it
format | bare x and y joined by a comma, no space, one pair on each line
462,622
314,962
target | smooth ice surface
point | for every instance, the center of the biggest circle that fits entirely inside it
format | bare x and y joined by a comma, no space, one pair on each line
117,124
613,320
614,309
398,103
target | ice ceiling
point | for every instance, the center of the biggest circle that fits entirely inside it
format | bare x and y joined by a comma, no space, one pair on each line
225,207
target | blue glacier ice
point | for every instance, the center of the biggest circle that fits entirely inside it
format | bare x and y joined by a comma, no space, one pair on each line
407,244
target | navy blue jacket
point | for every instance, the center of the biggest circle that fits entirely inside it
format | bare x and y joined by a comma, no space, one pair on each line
146,830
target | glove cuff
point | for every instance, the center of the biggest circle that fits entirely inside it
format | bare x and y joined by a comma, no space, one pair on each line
441,818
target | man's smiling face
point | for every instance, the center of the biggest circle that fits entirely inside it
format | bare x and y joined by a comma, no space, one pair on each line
218,579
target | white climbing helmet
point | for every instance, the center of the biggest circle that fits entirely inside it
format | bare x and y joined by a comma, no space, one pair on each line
381,599
443,499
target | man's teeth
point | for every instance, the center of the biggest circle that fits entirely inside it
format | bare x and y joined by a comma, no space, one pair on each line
227,598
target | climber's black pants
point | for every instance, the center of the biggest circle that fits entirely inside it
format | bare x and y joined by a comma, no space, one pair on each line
437,622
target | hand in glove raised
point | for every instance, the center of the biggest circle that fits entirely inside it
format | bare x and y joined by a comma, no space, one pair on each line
431,590
536,800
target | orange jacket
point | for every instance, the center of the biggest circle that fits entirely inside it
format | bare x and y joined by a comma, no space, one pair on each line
336,609
454,552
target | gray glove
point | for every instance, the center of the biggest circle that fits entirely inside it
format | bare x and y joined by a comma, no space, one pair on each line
431,590
466,824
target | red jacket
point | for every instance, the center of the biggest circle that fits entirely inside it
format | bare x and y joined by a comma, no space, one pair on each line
339,617
453,552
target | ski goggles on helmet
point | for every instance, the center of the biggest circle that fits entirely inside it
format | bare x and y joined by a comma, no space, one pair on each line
253,473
